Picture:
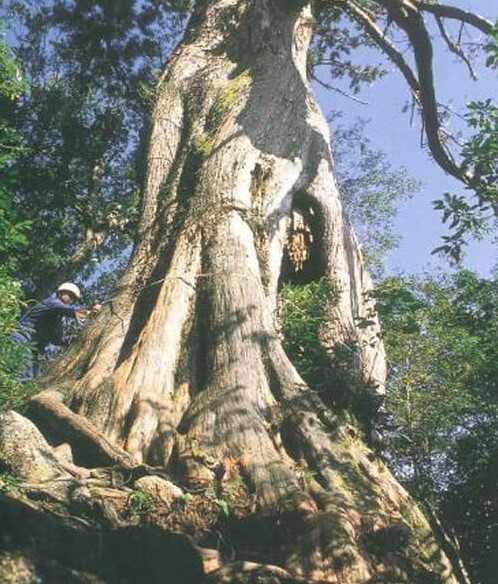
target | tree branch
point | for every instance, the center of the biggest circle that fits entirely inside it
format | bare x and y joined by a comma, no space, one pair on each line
365,19
406,15
445,11
337,90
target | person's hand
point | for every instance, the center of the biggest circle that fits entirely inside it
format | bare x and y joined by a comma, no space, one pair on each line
96,307
81,314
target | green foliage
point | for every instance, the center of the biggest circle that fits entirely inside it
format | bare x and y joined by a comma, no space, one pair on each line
85,189
438,363
78,177
492,48
470,214
475,215
9,482
186,498
140,503
479,155
442,422
470,506
13,232
13,235
224,505
333,48
370,190
333,371
303,311
13,357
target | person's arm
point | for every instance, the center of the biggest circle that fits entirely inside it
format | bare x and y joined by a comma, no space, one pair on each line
86,312
76,310
55,303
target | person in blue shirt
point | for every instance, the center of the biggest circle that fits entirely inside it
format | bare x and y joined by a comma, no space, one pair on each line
41,326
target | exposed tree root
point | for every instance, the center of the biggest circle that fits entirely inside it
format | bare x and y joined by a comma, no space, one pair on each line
59,423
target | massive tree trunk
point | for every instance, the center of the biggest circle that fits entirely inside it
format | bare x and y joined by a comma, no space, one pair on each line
185,369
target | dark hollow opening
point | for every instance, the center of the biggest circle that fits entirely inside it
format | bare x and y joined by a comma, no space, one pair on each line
303,259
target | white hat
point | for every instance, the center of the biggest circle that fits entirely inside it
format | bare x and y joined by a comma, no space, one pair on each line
69,287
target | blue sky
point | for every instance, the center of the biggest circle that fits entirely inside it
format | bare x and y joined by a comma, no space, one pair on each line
390,131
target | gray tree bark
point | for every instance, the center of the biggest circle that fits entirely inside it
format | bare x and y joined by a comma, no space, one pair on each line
185,369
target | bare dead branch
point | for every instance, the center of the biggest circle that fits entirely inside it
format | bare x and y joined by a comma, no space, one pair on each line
454,47
450,136
337,90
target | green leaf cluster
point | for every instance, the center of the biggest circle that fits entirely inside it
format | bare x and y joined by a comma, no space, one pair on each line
13,234
492,48
442,402
13,357
475,215
140,503
440,417
334,47
470,506
303,311
332,369
77,180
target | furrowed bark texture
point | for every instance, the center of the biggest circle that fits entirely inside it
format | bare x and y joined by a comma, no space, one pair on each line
185,369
